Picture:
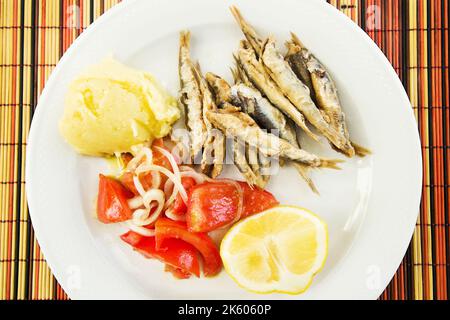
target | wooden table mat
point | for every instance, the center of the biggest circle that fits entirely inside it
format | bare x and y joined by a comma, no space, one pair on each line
414,35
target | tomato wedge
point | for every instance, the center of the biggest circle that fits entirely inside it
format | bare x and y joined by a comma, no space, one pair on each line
181,256
178,206
213,205
158,157
168,229
112,201
256,199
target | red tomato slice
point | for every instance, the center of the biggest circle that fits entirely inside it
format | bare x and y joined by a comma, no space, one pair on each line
180,255
112,201
178,206
212,205
168,229
256,199
158,157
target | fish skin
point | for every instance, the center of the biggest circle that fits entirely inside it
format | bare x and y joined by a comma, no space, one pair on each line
285,127
214,144
267,87
220,88
241,162
297,92
256,72
262,111
191,97
241,126
326,95
295,59
244,159
260,175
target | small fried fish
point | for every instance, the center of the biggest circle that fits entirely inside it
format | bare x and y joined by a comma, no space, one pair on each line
191,97
241,126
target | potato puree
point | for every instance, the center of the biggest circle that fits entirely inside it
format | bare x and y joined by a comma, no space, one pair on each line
112,107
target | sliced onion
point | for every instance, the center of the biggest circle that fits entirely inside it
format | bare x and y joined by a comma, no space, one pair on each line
171,159
142,217
176,180
144,151
138,185
176,172
169,214
198,177
156,179
141,230
169,189
153,195
135,202
139,216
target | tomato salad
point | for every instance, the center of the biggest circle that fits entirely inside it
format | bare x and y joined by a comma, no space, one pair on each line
170,208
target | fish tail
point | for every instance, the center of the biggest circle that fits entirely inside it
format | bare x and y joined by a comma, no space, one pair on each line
185,39
360,150
330,163
296,40
303,171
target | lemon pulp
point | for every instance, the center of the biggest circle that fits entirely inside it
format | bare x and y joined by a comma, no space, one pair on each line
280,249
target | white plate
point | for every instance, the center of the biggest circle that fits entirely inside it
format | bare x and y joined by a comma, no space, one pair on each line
370,206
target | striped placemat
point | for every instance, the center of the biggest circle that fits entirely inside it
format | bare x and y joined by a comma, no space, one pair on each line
414,35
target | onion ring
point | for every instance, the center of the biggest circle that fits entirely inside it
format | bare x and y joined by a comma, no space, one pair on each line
141,230
169,214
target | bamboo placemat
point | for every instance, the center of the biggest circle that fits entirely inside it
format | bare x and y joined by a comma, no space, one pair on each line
414,35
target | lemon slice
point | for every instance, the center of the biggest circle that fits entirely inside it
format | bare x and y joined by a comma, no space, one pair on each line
277,250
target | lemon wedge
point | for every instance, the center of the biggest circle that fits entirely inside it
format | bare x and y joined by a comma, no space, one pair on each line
277,250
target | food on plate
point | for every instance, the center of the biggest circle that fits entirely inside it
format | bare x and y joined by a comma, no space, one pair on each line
298,93
244,167
214,145
112,200
244,95
256,72
190,96
287,81
169,229
302,79
111,107
242,126
263,112
178,254
170,208
197,99
277,250
322,89
220,87
213,205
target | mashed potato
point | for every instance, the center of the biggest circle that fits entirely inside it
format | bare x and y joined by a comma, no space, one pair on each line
112,107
